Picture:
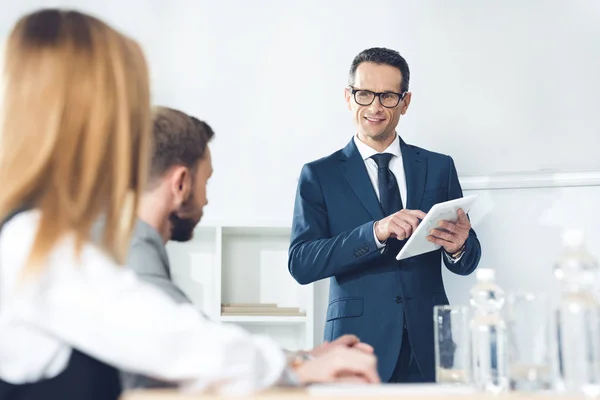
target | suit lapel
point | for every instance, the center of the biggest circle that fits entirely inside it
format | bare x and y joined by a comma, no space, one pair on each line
355,172
415,170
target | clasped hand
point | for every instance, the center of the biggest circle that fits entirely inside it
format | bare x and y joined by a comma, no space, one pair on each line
346,359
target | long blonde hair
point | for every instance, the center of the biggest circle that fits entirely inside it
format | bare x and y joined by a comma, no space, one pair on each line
75,135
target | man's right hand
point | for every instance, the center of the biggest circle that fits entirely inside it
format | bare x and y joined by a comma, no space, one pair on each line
339,364
399,225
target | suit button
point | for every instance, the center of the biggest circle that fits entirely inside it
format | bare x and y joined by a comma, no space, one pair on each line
399,299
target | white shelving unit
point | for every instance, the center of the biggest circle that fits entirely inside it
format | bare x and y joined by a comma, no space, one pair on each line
229,263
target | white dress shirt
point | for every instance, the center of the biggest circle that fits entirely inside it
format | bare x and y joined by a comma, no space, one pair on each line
104,310
396,165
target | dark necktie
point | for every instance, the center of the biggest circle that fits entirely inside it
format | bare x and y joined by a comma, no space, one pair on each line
389,192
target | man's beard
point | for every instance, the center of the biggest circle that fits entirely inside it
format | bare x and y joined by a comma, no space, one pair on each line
183,228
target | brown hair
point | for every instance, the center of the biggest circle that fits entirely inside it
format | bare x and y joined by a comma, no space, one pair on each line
180,140
76,129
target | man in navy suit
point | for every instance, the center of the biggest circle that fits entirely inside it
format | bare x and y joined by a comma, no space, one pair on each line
353,212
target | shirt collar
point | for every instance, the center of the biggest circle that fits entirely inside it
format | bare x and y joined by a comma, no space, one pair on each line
147,234
145,231
366,151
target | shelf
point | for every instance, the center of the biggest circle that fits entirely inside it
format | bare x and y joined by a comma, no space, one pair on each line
193,268
276,231
254,225
255,270
270,319
235,265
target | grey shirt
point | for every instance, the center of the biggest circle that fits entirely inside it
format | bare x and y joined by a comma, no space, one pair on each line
148,258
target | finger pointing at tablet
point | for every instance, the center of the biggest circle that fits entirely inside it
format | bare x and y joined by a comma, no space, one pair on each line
399,225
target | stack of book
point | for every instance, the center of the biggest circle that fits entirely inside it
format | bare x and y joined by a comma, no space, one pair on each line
260,309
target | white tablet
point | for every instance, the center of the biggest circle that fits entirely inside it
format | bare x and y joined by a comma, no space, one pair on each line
417,243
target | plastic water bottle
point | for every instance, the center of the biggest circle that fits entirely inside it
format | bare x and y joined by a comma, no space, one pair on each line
578,318
488,334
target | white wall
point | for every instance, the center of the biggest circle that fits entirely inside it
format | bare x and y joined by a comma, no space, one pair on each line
520,230
503,86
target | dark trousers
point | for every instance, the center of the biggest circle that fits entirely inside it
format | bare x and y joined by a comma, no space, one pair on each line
407,370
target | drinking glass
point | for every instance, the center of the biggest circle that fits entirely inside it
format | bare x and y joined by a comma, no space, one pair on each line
452,344
527,319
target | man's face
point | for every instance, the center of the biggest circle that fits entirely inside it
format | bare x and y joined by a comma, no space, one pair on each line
185,219
375,121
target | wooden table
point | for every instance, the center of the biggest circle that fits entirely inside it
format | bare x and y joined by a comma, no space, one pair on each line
300,394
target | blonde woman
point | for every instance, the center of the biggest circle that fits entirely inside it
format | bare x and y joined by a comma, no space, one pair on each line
74,148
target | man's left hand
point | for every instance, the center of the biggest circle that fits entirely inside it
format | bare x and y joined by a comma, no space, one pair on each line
451,235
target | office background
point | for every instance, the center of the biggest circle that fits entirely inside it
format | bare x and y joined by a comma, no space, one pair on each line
510,89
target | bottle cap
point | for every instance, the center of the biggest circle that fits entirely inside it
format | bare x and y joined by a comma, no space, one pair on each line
485,274
573,238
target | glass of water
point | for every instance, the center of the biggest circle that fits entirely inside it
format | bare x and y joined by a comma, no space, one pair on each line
452,344
527,320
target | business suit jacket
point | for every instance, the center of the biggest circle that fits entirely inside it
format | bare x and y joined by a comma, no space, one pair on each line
370,292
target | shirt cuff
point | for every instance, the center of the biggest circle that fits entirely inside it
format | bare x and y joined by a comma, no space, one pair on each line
288,379
453,260
377,242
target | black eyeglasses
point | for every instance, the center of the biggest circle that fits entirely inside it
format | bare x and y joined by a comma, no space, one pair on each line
387,99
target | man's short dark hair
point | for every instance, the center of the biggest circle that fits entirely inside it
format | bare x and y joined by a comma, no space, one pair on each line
381,56
205,130
179,140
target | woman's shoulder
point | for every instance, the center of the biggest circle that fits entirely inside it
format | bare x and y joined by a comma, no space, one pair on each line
17,236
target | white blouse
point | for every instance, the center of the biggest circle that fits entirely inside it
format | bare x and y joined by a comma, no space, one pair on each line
105,311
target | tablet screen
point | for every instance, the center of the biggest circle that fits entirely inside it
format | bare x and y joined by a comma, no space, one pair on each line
417,243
